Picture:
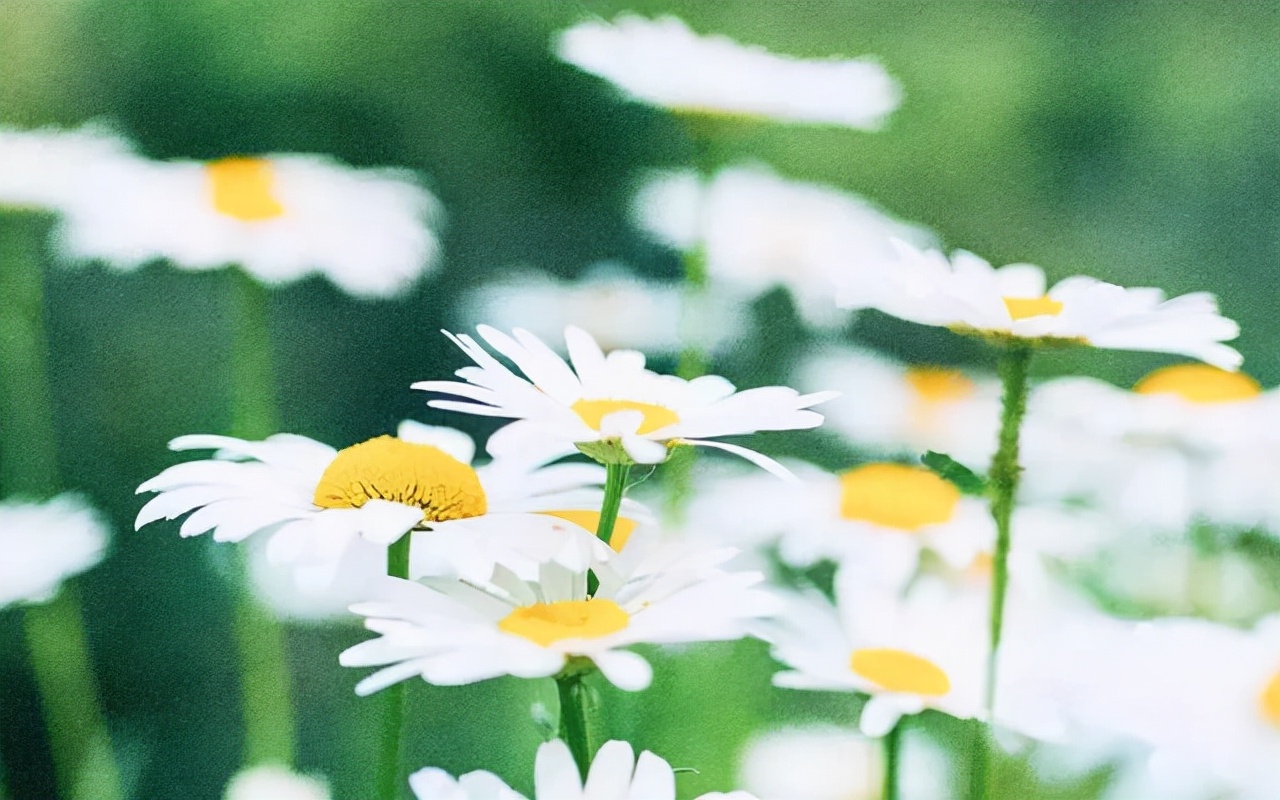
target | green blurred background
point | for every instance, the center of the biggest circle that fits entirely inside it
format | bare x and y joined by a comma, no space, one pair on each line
1137,142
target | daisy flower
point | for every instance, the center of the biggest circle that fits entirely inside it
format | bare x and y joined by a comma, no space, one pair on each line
615,774
610,407
1012,303
272,782
44,168
322,506
43,544
453,632
758,230
280,217
663,63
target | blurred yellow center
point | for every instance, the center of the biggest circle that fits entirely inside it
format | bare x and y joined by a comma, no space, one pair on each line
655,416
1023,307
242,188
1269,700
938,385
1200,383
900,671
622,529
897,496
387,468
547,623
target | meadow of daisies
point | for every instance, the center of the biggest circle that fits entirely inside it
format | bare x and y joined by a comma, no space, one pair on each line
529,407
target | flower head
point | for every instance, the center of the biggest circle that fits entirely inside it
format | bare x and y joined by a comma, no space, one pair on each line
663,63
610,407
43,544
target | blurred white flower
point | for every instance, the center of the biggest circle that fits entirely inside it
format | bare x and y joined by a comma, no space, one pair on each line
272,782
661,62
452,632
44,543
46,168
757,230
280,217
611,406
615,774
966,293
618,310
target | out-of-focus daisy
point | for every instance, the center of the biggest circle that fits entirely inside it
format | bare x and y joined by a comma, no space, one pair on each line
44,168
661,62
453,632
757,230
43,544
615,774
1012,302
280,217
610,407
899,410
618,310
318,503
272,782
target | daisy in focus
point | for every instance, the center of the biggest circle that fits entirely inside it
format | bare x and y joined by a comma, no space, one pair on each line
758,230
45,543
966,293
663,63
325,509
452,632
280,217
615,774
610,406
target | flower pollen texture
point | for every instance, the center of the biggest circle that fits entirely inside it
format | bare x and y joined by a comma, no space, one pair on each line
548,623
387,468
1026,307
1199,383
243,188
900,671
897,496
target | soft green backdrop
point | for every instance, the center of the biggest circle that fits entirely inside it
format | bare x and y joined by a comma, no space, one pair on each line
1135,141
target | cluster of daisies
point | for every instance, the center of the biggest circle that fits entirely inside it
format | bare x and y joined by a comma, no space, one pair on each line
900,582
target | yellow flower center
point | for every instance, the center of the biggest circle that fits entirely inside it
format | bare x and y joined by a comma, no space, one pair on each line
622,529
1023,307
1269,700
387,468
655,416
547,623
938,385
900,671
1200,383
242,188
897,496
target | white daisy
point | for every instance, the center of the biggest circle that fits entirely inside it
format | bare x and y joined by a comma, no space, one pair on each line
610,407
272,782
663,63
45,168
617,309
758,230
43,544
966,293
615,774
454,632
325,509
280,217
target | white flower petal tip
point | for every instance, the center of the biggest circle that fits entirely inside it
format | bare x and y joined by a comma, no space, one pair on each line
43,544
274,782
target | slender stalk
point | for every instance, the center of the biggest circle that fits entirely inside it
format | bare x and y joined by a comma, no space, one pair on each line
55,632
892,757
267,696
579,708
615,486
389,782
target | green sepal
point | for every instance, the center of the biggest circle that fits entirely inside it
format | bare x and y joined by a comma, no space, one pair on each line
947,468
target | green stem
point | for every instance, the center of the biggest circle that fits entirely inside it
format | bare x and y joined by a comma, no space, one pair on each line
260,639
979,755
1005,474
615,486
389,782
892,757
579,707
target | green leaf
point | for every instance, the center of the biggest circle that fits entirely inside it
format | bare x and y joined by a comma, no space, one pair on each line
947,468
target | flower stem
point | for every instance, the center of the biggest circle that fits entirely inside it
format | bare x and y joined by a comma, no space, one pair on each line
892,757
615,486
389,783
579,706
1005,474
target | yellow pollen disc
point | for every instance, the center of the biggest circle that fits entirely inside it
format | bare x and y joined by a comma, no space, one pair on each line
242,188
655,416
897,496
1199,383
900,671
1269,700
1023,307
622,529
547,623
938,385
387,468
